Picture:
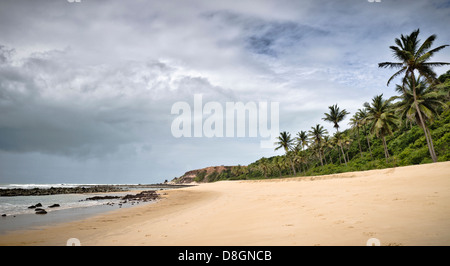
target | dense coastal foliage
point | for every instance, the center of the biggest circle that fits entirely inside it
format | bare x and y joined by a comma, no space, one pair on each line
410,128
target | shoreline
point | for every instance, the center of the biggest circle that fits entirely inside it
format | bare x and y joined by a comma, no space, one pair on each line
407,205
79,189
103,202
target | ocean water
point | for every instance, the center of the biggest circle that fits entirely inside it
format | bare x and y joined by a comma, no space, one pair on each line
72,206
19,204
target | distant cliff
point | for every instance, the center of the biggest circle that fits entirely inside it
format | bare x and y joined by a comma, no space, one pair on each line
207,174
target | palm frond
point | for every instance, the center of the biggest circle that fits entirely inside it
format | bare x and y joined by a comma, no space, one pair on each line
425,46
397,74
390,65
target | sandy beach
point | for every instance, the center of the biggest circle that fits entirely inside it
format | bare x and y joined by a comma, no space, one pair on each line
399,206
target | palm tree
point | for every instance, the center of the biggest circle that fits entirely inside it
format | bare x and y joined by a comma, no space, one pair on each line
336,116
317,133
413,57
355,123
382,120
346,143
285,141
428,102
264,166
362,114
338,140
300,159
279,163
327,143
302,139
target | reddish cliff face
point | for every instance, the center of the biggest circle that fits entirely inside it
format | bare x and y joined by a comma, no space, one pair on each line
189,176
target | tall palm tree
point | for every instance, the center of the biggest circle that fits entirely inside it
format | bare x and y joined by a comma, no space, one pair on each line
317,133
382,120
285,141
428,102
414,56
336,116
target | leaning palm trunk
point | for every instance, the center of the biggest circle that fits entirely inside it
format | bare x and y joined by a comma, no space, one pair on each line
422,123
431,142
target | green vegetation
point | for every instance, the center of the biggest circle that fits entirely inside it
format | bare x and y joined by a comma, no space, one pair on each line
410,128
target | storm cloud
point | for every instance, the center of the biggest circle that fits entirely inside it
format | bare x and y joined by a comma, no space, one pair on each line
86,88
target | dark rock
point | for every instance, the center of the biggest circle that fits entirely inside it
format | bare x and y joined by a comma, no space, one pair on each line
143,196
4,215
32,207
39,209
54,205
38,205
41,212
103,197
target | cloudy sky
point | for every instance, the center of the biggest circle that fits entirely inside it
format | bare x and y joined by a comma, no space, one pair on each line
86,89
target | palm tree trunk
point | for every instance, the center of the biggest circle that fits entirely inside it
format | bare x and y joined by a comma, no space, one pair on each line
368,142
293,168
431,142
424,127
343,154
320,156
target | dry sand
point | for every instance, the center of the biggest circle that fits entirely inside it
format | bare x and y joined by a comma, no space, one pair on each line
399,206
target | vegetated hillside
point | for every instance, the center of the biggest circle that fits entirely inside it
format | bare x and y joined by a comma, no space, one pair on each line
207,174
363,150
407,146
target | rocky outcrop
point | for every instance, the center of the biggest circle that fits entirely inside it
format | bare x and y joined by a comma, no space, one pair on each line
199,175
142,196
103,197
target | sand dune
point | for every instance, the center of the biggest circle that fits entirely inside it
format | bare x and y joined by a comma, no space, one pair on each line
399,206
